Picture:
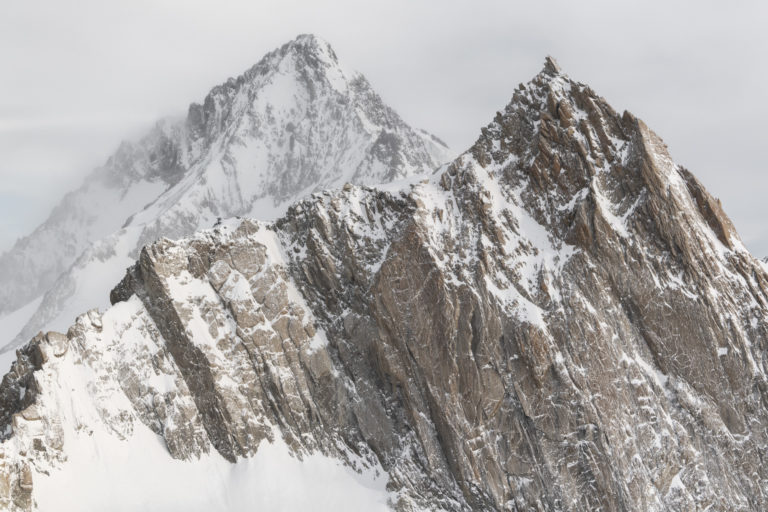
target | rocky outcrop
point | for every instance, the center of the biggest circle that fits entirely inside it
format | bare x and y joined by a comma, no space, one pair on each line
560,319
296,122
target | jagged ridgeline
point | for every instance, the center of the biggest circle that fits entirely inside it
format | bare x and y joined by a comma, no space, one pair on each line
296,122
560,319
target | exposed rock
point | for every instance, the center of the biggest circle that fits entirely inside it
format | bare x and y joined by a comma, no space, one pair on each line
296,122
561,319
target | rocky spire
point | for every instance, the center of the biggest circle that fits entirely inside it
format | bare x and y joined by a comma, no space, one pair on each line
560,319
551,66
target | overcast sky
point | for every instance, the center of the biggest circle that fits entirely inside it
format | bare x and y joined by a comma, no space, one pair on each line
76,77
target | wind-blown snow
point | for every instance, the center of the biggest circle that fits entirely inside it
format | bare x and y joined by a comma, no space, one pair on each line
105,473
295,123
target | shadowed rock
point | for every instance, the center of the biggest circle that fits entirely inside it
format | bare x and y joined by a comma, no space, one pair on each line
561,319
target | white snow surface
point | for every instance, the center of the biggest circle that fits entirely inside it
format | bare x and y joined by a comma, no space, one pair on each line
111,460
106,473
109,455
295,123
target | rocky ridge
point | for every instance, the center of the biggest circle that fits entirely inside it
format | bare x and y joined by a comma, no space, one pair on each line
561,319
296,122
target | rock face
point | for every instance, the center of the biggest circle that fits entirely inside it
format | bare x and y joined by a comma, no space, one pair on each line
296,122
560,319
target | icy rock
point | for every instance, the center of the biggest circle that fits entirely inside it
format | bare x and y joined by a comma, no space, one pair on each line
552,340
296,122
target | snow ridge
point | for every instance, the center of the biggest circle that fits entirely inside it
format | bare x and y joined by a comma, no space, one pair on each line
562,318
296,122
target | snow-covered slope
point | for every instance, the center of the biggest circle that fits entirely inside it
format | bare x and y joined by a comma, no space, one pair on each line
95,450
296,122
560,319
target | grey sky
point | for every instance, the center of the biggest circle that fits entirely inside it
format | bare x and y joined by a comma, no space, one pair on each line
79,76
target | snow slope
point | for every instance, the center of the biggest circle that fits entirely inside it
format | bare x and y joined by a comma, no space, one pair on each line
560,319
136,474
296,122
110,460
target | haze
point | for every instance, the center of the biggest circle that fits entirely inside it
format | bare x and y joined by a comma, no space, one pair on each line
77,77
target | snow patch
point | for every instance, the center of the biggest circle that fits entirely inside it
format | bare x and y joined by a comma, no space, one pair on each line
105,473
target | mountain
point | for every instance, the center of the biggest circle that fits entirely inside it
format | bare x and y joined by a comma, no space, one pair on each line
296,122
560,319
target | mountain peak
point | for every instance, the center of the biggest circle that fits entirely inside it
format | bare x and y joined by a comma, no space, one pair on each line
306,52
310,44
565,146
559,320
308,41
295,122
297,92
551,67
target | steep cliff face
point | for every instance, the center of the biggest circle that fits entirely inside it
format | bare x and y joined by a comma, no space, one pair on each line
296,122
560,319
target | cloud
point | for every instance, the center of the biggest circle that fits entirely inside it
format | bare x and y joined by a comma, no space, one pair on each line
77,76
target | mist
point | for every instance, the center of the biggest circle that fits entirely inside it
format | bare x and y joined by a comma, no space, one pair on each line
79,77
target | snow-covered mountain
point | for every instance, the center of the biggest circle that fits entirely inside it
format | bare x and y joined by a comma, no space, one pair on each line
561,319
296,122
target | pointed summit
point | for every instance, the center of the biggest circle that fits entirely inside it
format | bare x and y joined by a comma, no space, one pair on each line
551,67
560,319
311,43
309,49
296,122
571,149
308,40
308,99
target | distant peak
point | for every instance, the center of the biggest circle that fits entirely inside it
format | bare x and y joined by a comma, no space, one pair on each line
551,67
314,45
308,39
